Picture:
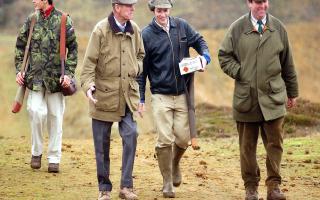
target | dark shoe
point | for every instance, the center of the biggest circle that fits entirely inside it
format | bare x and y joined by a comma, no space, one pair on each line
274,193
128,194
104,195
165,164
176,173
53,168
252,193
35,162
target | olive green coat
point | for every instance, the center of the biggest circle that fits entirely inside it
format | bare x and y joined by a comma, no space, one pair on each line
262,67
112,62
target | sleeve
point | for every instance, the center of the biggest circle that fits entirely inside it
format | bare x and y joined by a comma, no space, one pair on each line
140,53
72,46
196,41
90,61
21,44
288,68
142,78
227,57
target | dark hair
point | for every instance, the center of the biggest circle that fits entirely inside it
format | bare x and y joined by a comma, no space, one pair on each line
50,2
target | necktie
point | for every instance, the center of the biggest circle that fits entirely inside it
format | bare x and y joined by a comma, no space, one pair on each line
260,30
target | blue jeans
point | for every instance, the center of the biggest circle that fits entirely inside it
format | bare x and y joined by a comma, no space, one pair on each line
101,136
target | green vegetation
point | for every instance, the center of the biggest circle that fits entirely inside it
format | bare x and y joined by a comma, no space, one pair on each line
204,14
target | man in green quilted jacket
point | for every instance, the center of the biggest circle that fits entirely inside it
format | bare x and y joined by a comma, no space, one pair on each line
256,53
43,78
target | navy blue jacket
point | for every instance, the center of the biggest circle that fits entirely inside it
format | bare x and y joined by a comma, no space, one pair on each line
161,63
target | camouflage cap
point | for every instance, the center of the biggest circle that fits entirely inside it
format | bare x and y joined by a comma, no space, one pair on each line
124,1
159,4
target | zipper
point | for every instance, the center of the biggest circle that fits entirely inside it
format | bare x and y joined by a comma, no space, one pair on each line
174,70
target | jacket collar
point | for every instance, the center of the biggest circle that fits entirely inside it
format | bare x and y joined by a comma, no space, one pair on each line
115,28
158,29
249,27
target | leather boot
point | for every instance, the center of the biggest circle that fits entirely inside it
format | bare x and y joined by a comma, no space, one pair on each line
176,173
165,164
274,192
252,192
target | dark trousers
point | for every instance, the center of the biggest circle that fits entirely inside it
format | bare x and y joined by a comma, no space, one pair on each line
101,137
272,137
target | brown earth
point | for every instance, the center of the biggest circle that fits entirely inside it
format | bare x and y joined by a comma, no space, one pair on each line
211,173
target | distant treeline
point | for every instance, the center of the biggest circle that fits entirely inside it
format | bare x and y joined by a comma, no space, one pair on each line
204,14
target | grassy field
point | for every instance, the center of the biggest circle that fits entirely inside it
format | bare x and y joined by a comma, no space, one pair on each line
212,87
213,172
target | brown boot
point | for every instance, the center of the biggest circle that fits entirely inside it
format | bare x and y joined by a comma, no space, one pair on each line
35,162
176,173
104,195
165,164
53,168
128,194
274,192
252,192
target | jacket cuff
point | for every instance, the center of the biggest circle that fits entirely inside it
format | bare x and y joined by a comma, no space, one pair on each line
207,57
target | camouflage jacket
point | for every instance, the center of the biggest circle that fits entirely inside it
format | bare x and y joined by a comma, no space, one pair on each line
44,68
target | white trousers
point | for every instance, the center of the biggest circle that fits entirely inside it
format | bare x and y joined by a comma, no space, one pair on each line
46,108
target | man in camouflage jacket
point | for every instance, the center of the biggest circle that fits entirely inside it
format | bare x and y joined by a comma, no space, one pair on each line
42,77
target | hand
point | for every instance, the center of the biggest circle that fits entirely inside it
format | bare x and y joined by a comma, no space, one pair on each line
141,109
291,102
20,78
65,81
90,94
204,63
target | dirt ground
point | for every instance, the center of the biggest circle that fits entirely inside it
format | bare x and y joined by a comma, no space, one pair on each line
212,173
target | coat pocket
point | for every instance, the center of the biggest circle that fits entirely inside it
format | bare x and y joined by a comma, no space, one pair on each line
108,94
134,94
278,92
242,101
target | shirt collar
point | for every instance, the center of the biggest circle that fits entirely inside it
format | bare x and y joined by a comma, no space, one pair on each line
46,13
255,21
167,27
122,27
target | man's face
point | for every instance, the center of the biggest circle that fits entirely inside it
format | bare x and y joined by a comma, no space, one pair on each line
259,9
39,4
162,15
125,11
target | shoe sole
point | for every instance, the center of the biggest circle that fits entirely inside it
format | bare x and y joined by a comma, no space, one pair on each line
122,196
169,195
53,171
35,167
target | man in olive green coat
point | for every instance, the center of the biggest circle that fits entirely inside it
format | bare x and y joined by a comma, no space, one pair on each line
112,62
256,53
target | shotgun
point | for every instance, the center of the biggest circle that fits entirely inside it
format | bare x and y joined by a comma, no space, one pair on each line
18,100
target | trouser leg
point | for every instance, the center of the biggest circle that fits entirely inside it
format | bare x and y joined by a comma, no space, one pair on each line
101,137
128,133
162,111
272,136
56,107
37,109
248,138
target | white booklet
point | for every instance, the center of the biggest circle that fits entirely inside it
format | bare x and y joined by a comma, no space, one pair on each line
189,65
